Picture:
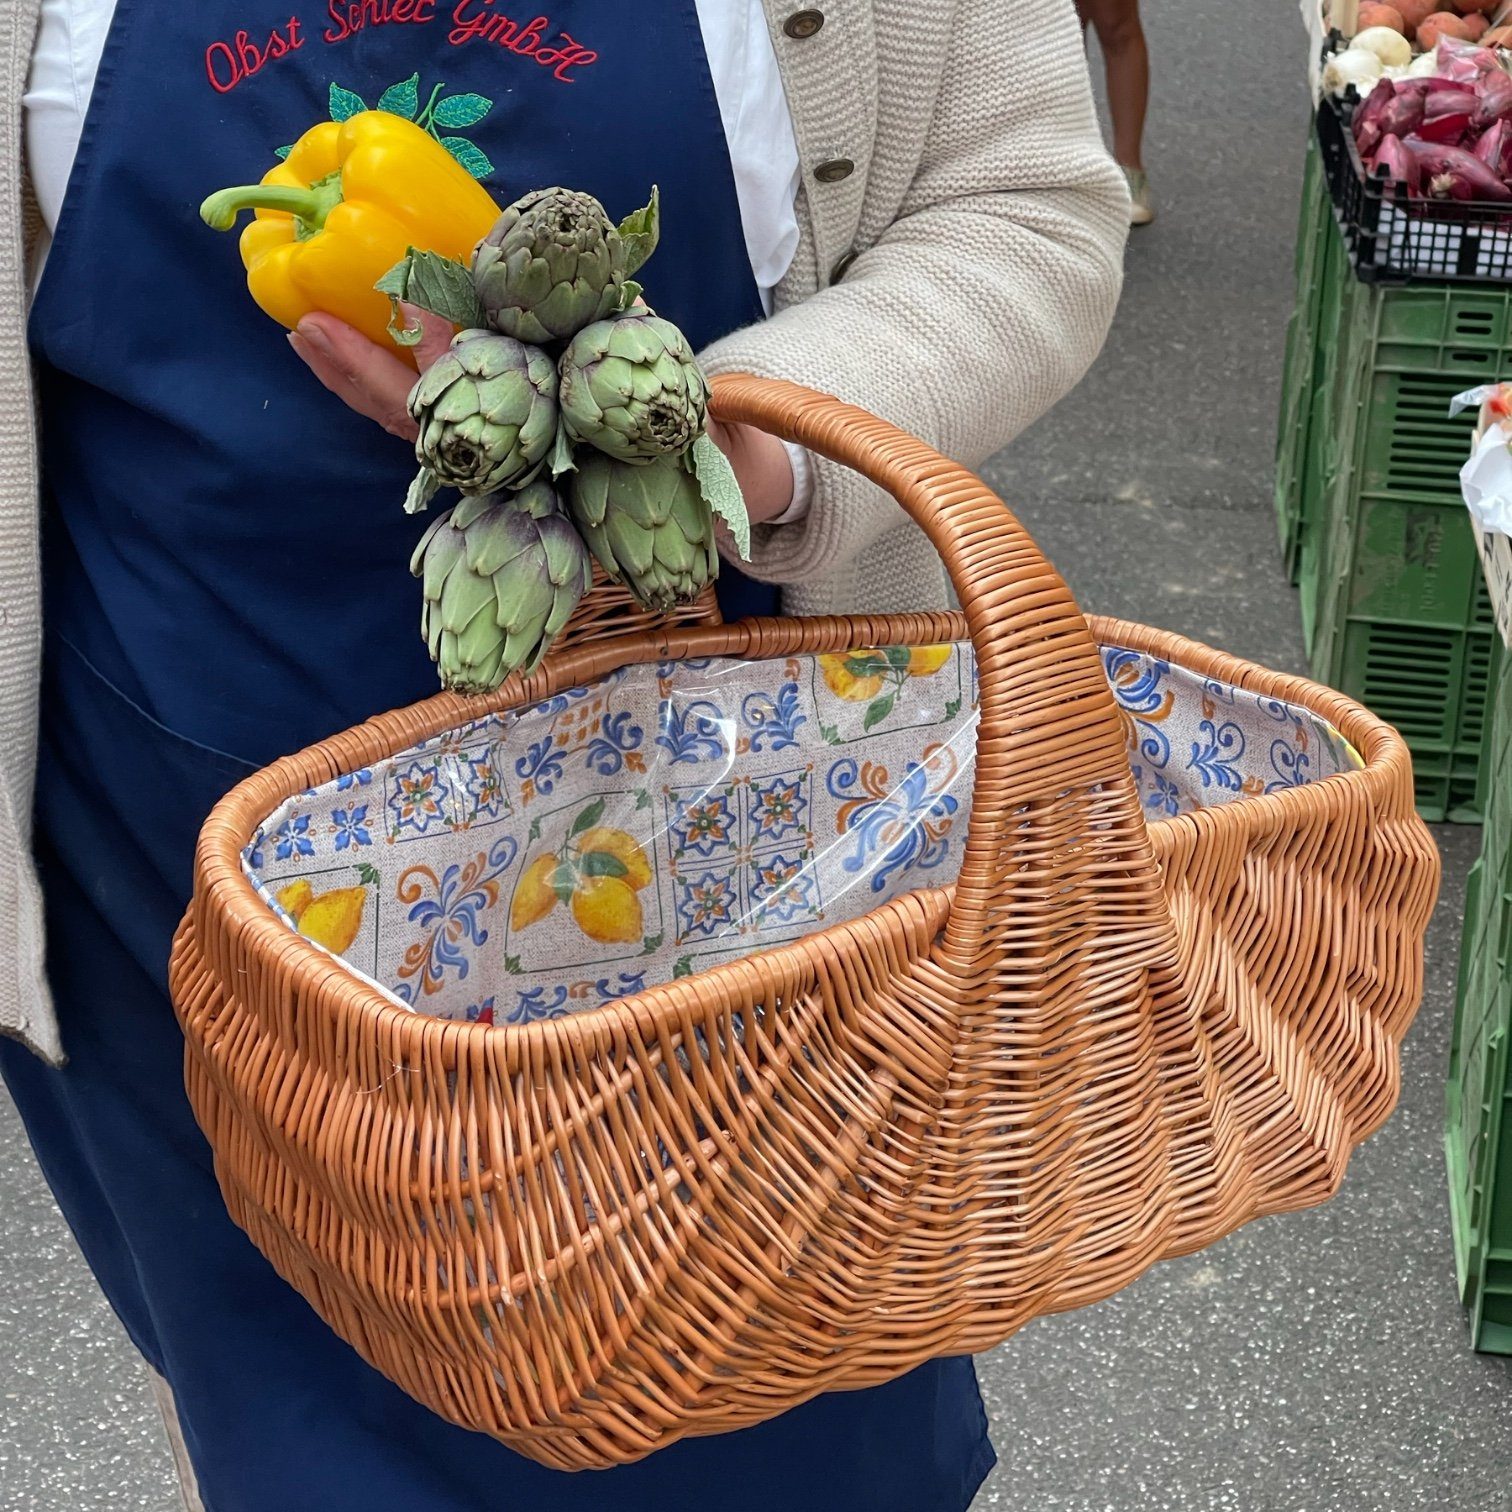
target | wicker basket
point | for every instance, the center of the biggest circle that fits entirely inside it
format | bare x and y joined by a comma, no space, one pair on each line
1108,1042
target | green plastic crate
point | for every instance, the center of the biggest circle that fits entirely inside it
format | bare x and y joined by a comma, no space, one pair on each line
1393,605
1300,372
1478,1129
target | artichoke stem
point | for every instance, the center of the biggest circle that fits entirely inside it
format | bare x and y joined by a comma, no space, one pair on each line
309,206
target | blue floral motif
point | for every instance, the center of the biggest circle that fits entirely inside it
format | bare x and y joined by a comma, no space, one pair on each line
481,1013
617,735
1220,692
418,799
257,857
1166,799
703,823
706,904
448,913
782,888
667,669
774,723
1291,764
622,986
541,765
351,828
906,827
694,732
1136,682
1278,710
564,701
775,808
484,785
533,1004
293,838
1215,755
349,780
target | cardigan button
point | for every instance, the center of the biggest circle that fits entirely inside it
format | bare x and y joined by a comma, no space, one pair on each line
803,24
832,170
843,266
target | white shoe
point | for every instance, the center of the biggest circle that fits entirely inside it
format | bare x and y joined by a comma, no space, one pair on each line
1141,202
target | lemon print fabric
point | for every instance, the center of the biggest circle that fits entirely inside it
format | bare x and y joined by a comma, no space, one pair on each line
598,874
887,681
332,918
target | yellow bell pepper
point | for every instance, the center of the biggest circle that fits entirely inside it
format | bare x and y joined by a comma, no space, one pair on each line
348,202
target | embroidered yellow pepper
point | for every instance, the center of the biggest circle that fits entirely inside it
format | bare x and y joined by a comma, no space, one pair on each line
348,202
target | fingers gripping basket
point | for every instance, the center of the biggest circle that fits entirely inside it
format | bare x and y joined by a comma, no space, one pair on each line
1110,1039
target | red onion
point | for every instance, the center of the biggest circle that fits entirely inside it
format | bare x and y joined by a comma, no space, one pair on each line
1449,172
1402,116
1367,130
1446,117
1399,163
1495,148
1494,100
1464,62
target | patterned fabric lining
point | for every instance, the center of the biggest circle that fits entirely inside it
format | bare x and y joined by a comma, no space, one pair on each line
673,816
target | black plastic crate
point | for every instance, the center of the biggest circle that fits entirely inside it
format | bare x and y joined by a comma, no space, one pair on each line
1392,238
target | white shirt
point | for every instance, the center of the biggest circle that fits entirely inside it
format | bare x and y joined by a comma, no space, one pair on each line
752,108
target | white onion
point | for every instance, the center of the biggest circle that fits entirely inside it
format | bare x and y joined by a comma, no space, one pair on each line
1351,67
1425,66
1391,47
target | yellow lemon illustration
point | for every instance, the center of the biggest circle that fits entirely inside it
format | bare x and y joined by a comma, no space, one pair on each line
846,683
624,849
333,918
295,898
607,910
535,897
925,661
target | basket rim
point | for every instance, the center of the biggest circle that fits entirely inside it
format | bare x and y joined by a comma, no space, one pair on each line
223,887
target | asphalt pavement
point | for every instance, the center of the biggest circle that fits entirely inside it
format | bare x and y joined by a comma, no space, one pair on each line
1311,1363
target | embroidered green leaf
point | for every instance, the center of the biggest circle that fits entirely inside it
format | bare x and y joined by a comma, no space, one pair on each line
877,711
642,799
830,733
512,965
424,488
457,111
282,152
562,881
869,663
402,99
641,232
602,864
344,103
952,708
899,657
367,874
471,157
589,817
535,828
434,283
684,966
651,944
716,480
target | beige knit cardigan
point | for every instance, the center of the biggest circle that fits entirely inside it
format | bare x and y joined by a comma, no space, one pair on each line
957,280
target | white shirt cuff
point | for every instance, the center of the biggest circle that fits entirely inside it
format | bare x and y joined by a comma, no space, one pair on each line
803,485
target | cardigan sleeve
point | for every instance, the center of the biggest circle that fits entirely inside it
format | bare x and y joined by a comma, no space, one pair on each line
986,298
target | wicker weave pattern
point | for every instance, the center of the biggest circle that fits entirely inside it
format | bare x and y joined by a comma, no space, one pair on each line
905,1136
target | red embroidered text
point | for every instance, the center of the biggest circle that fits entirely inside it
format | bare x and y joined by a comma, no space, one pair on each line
351,16
228,63
477,21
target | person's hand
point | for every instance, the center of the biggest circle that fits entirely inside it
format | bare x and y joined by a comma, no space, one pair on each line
376,382
373,380
761,468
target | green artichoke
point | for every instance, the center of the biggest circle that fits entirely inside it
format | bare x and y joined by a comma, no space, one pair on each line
630,387
553,263
501,576
487,413
649,526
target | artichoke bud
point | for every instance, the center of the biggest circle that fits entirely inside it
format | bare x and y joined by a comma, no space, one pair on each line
553,263
487,413
501,576
647,524
632,388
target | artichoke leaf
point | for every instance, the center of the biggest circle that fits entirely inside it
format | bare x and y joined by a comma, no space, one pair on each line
433,283
716,478
640,233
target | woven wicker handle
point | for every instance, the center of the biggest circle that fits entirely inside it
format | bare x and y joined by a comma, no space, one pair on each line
1050,730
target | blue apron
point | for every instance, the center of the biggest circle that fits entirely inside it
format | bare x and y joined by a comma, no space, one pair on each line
226,581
